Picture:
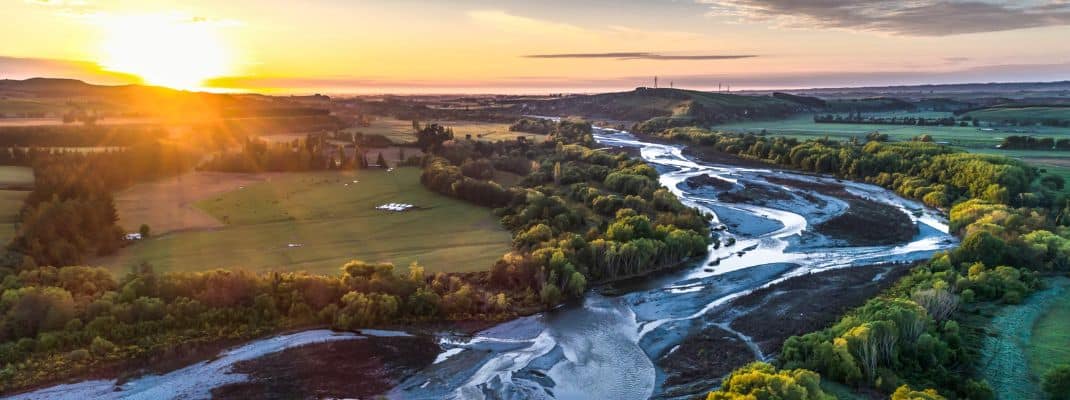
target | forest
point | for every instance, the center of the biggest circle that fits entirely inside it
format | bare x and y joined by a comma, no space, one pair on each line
1012,221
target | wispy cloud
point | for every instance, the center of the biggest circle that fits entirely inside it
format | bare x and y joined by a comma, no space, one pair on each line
643,56
899,17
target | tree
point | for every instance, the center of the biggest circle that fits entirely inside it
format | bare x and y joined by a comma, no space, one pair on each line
144,231
761,381
1057,382
576,284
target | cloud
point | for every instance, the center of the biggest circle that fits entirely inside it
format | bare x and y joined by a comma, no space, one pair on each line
544,29
899,17
504,21
643,56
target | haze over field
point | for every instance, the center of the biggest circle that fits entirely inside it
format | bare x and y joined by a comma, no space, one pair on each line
543,47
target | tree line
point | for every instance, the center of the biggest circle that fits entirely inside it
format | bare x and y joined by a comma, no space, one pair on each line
70,213
1034,143
59,322
864,119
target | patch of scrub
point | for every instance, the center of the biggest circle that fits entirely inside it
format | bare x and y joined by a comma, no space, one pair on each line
1004,362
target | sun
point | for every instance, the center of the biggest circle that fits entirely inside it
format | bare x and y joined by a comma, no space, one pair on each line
179,53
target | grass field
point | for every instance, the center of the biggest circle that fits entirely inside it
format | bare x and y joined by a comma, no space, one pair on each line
972,139
318,221
1051,337
14,185
1036,114
10,204
803,126
401,131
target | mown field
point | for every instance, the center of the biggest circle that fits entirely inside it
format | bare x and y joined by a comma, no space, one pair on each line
401,131
317,221
14,182
1036,114
803,126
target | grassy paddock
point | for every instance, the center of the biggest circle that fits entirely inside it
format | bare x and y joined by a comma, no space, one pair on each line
1051,337
401,131
803,126
319,220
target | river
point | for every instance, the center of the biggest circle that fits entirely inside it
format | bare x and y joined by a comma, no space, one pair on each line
605,346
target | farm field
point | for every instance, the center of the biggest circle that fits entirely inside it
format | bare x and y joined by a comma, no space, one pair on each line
15,183
317,221
1023,114
169,205
803,127
973,139
401,131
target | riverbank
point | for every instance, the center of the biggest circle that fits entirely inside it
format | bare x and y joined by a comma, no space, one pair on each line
338,369
767,317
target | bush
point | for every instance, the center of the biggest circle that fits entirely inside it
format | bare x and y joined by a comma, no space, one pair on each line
101,346
79,355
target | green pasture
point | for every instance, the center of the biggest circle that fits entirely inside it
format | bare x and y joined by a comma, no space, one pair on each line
318,221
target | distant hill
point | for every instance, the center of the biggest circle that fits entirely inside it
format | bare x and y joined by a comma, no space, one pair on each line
53,96
958,91
645,103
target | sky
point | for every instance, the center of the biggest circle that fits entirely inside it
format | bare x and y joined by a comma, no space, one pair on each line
546,46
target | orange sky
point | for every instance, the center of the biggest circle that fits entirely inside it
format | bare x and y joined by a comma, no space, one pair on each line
546,46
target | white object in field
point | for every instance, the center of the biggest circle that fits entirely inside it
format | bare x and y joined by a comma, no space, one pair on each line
133,236
394,207
294,245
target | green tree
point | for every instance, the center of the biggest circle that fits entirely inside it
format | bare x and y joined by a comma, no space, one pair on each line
906,393
761,381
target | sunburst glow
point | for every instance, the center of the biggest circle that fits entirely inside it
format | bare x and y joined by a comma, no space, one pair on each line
163,50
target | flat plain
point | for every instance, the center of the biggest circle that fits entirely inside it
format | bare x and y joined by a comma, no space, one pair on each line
317,221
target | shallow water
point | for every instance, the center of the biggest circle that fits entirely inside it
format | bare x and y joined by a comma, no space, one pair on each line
605,347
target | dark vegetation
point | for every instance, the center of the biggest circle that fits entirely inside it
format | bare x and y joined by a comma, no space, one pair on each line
863,119
79,136
1034,143
1013,227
